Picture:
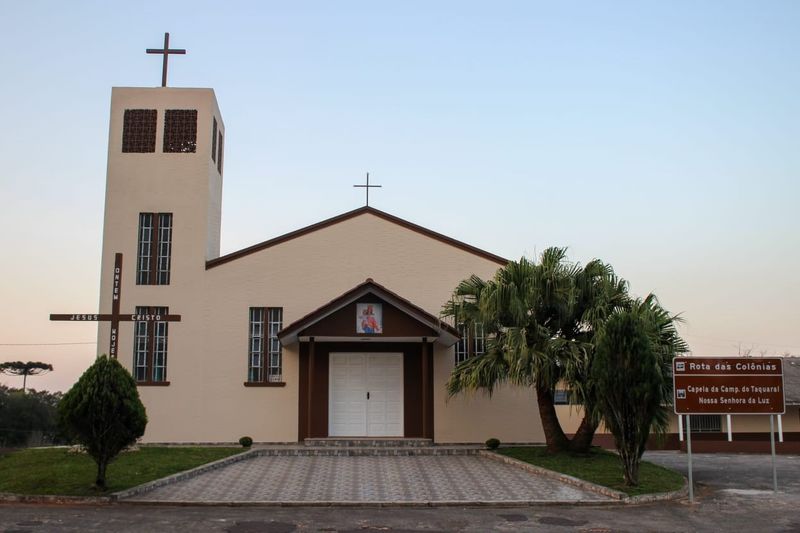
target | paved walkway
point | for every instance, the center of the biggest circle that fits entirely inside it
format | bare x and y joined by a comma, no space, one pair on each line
368,479
745,474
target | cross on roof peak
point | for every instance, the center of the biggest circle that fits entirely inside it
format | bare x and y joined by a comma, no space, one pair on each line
166,51
367,187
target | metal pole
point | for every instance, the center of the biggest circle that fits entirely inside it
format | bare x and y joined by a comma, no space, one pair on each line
772,444
730,431
680,428
689,450
780,428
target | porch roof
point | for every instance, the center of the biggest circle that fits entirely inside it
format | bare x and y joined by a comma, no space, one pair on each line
445,333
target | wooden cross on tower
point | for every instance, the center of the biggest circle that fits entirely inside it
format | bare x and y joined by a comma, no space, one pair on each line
116,317
166,51
368,187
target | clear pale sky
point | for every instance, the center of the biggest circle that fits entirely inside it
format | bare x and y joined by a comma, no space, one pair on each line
662,137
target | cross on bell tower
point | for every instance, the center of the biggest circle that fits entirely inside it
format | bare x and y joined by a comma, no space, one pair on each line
166,51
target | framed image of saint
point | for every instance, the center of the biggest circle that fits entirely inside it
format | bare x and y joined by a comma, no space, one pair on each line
369,318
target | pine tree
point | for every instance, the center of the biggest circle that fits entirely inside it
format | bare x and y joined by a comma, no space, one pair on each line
103,412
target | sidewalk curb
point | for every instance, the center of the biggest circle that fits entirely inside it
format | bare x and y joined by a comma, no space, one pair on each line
6,497
180,476
377,504
551,474
619,496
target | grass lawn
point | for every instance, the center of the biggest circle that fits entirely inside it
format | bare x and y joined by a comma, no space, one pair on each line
601,467
54,471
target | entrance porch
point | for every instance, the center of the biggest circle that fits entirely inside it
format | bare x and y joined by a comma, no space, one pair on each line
379,390
366,366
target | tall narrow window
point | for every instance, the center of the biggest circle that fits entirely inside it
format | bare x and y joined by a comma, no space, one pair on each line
145,254
264,358
478,339
140,347
219,154
214,140
255,370
150,345
180,130
139,131
274,345
154,255
164,256
462,346
471,343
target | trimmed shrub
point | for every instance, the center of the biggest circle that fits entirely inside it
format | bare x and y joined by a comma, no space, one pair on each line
493,443
103,413
246,442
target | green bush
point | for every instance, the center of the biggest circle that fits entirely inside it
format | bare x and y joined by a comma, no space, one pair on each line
103,412
29,419
246,442
493,443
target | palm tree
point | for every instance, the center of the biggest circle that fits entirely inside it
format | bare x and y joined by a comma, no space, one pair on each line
541,319
598,293
523,310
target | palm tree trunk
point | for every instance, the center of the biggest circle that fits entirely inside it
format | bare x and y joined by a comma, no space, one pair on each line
630,468
24,380
582,440
553,433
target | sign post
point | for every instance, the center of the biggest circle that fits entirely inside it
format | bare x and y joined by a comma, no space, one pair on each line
689,453
728,386
772,445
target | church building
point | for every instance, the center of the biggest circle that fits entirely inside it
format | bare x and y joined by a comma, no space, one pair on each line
332,330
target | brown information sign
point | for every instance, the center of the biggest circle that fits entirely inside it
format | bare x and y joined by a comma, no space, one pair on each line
728,385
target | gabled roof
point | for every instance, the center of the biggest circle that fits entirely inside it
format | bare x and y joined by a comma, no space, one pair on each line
448,335
347,216
791,380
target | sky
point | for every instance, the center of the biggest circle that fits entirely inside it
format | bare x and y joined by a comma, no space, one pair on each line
660,137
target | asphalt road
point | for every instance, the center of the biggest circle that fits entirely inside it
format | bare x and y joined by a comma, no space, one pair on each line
733,495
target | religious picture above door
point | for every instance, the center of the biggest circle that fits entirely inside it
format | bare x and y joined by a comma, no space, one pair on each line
369,318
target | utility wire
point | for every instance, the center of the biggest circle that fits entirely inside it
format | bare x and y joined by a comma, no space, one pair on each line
45,343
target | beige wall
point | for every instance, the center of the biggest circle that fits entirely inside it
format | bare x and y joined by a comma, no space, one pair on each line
302,274
756,423
511,414
570,417
206,400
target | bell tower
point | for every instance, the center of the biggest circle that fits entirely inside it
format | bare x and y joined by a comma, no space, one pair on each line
163,199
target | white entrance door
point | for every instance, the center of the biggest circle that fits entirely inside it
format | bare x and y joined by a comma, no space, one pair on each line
366,395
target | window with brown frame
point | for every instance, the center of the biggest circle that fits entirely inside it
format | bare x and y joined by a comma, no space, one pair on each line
264,361
150,346
154,255
471,343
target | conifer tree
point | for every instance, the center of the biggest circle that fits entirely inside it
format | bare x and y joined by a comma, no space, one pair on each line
103,412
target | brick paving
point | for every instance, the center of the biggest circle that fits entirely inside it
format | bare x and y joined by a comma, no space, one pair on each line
466,478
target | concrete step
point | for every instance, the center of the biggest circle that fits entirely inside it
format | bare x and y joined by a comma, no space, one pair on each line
381,451
367,442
